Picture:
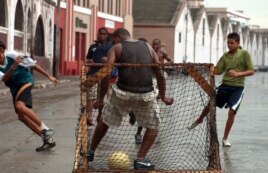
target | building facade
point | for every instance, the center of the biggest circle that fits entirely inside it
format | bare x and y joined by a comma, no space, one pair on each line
27,27
30,28
190,32
79,23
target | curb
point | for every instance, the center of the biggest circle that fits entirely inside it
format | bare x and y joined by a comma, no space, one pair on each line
40,84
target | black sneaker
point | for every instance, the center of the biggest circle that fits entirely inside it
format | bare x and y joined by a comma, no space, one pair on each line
132,118
46,134
138,139
47,145
90,156
143,164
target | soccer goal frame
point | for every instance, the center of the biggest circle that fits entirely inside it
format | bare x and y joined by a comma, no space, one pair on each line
81,164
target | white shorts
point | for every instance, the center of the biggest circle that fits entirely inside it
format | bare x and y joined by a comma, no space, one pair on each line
143,105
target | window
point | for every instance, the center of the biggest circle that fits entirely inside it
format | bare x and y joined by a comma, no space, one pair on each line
203,32
29,23
19,16
218,31
101,5
29,29
110,7
179,37
77,39
2,13
39,45
88,3
84,3
80,43
118,8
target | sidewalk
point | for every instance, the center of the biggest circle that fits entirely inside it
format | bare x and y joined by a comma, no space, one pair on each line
40,84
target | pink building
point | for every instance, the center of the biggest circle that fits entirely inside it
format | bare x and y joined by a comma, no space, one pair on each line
79,23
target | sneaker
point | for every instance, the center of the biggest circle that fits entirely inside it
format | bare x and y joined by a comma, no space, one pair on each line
47,145
132,118
192,126
46,134
226,143
138,138
90,156
143,164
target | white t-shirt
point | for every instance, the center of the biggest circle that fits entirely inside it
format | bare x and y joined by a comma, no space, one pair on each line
26,62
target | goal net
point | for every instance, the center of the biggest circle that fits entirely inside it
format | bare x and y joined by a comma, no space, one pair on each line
176,148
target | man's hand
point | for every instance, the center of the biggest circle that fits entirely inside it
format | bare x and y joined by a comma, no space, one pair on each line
53,80
167,100
17,61
233,73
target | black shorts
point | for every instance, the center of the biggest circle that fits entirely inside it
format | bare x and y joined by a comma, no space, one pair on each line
229,96
24,94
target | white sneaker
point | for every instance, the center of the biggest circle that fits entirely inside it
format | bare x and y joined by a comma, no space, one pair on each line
192,126
226,143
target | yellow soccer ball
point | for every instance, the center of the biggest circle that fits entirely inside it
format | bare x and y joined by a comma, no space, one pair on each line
119,160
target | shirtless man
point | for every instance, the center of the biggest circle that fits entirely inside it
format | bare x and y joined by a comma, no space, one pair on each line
162,55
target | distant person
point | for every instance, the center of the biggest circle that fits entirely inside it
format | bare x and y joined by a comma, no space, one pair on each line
97,53
130,93
15,73
236,64
156,45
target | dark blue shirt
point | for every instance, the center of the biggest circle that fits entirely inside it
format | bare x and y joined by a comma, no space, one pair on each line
96,52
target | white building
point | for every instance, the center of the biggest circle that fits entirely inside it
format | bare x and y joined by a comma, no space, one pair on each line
22,20
201,35
184,37
192,33
216,46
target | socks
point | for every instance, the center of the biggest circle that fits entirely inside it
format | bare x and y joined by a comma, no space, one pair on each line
43,126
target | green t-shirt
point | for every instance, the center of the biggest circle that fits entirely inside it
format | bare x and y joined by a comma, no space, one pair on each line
20,75
240,61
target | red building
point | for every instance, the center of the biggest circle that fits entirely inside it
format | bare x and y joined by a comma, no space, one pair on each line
79,23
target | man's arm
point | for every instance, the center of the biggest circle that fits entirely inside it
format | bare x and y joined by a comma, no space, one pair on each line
220,67
166,57
161,83
234,73
42,71
217,71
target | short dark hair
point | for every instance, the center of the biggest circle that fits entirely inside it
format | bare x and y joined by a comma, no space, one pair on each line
121,32
2,45
234,36
104,29
157,39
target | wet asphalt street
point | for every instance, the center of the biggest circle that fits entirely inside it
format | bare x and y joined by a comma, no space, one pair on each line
249,135
59,106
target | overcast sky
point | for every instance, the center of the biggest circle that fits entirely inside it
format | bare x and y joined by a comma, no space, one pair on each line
256,10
